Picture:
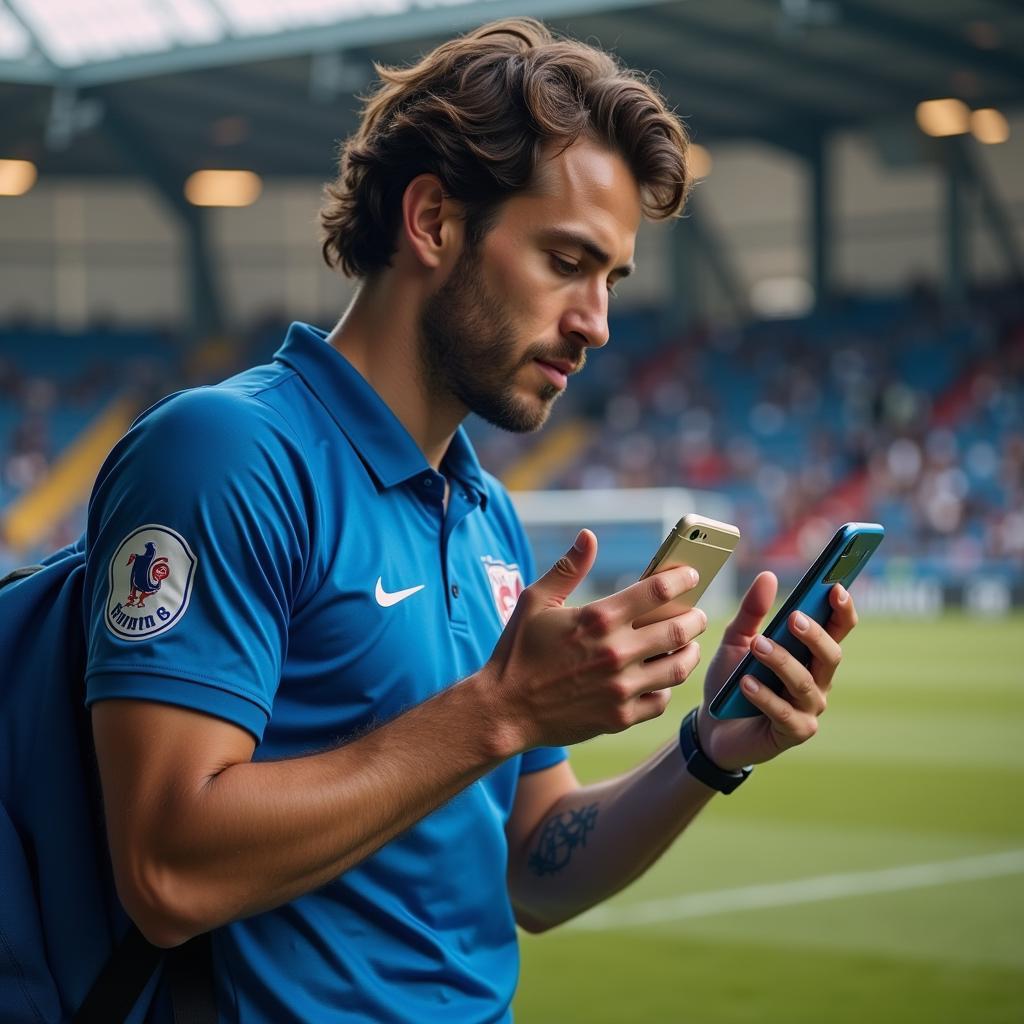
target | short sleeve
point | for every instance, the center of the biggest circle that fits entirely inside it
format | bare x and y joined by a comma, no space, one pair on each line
196,550
539,758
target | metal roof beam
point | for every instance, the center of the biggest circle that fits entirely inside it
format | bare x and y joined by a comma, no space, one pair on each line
968,164
787,58
159,170
714,252
26,72
925,38
417,23
646,49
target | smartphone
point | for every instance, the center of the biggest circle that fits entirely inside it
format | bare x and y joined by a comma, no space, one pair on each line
840,562
703,543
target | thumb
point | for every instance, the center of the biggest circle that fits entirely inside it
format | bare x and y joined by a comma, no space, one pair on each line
568,572
756,604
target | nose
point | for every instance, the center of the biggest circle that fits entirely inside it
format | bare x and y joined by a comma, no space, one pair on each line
587,315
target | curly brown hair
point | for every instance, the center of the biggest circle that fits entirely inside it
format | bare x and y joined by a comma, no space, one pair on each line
477,112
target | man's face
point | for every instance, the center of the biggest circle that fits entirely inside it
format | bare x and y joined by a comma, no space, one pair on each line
517,314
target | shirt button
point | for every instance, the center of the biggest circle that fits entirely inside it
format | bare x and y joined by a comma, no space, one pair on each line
427,482
455,590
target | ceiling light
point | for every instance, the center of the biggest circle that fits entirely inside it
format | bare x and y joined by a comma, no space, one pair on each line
943,117
700,161
989,126
17,177
223,188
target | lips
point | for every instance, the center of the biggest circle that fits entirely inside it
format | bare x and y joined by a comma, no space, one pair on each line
556,372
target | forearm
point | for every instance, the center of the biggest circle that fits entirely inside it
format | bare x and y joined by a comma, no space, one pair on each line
258,834
598,839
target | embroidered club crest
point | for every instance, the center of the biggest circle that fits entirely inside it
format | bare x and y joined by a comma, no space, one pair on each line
506,586
151,575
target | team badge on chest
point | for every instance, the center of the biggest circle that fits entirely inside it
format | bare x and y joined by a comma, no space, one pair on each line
151,576
506,585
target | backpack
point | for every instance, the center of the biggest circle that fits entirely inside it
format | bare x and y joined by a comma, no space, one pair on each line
68,951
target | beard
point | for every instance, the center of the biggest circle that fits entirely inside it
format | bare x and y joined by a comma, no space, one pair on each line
468,347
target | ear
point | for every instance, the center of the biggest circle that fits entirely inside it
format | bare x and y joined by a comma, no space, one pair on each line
432,222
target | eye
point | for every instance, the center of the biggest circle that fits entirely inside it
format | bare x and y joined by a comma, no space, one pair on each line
563,266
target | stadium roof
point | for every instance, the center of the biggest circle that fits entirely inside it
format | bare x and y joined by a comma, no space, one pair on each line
117,86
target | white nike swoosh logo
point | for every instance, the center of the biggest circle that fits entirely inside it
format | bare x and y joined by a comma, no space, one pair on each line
386,600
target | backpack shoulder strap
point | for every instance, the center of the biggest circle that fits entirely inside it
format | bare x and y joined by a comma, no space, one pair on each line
19,574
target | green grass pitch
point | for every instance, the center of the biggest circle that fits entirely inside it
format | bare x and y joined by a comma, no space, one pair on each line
919,761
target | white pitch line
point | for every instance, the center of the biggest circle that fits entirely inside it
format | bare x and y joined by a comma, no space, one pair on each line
804,890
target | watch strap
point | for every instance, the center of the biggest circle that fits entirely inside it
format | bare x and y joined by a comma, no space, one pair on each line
699,765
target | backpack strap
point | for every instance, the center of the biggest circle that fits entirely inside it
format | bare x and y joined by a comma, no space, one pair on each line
18,574
117,989
190,978
120,983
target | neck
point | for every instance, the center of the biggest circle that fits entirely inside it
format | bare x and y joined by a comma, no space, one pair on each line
379,336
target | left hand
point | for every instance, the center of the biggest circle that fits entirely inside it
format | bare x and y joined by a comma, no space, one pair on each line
786,722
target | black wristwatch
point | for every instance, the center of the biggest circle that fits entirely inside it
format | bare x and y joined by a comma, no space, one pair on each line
699,765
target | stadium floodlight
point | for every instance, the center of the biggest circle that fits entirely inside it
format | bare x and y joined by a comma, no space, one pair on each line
988,125
940,118
223,188
17,177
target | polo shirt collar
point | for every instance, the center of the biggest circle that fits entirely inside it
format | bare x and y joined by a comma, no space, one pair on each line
365,418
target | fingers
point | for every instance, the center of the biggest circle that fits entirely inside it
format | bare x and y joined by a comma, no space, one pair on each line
642,597
667,635
825,650
662,673
753,608
800,684
790,726
844,614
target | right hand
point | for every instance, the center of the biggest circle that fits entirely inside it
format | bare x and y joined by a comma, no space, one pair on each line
563,675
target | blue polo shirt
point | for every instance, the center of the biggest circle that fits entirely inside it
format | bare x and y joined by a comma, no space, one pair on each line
275,551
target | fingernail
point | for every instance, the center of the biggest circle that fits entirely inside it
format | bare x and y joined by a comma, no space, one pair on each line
749,685
763,645
800,621
704,616
694,577
841,594
578,542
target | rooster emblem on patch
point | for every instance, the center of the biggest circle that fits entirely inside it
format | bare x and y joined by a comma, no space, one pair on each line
148,572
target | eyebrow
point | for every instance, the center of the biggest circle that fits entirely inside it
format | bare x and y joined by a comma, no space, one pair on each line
589,246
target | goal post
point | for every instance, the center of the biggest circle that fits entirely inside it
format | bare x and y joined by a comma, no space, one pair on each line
630,524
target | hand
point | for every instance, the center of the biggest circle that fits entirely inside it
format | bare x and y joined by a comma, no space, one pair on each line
787,721
561,675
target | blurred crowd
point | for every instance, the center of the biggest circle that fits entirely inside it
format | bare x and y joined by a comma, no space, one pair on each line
52,387
895,410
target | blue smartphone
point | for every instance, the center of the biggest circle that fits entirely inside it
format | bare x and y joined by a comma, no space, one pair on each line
840,562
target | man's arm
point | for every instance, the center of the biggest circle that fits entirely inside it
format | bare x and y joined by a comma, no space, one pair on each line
571,847
201,835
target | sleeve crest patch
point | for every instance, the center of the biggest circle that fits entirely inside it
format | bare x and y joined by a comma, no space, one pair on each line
151,577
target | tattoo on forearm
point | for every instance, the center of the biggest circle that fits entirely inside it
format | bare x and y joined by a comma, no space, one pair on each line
559,837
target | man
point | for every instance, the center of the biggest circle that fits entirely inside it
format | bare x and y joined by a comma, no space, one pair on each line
317,738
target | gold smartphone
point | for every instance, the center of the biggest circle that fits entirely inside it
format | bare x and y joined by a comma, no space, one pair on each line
703,543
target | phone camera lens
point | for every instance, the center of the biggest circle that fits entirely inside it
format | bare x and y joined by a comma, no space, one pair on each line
694,534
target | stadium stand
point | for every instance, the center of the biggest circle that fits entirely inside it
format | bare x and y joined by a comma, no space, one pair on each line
889,409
